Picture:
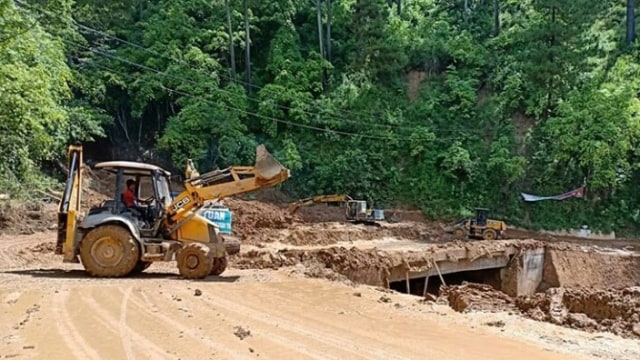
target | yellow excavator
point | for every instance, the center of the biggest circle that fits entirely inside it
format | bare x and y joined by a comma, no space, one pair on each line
115,241
356,211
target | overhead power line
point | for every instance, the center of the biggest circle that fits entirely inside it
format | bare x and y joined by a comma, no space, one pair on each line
380,123
266,117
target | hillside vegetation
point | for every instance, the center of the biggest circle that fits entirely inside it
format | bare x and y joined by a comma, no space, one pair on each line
444,105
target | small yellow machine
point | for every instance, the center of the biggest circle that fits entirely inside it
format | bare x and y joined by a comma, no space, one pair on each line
114,241
478,227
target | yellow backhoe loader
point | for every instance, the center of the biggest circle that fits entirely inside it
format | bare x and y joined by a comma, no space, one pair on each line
356,211
115,241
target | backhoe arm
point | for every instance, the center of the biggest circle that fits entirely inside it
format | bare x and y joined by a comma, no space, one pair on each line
69,206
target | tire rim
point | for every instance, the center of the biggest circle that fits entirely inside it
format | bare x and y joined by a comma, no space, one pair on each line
107,251
192,261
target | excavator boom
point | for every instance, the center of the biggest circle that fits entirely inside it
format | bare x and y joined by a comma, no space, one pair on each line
294,206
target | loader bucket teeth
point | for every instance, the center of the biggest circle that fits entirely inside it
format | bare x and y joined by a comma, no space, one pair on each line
266,165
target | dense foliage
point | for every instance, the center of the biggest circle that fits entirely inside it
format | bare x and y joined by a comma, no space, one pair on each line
445,105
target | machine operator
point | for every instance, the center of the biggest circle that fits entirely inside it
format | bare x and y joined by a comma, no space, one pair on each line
131,201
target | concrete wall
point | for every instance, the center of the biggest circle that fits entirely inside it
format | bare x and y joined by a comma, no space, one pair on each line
524,273
530,270
577,233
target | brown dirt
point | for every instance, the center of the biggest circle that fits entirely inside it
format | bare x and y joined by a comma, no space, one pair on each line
251,218
617,311
474,297
26,218
573,266
369,266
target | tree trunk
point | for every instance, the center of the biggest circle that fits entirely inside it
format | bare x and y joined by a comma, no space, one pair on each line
247,55
329,30
466,11
232,54
552,42
320,40
496,17
320,32
631,22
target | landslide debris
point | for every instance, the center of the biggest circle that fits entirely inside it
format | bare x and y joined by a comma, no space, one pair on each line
617,311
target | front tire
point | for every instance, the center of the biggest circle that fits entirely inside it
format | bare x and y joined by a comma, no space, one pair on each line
109,251
194,261
231,245
460,233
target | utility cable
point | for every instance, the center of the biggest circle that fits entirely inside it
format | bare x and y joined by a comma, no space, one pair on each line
266,117
284,107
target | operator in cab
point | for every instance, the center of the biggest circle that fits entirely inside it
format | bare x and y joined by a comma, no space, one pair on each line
131,201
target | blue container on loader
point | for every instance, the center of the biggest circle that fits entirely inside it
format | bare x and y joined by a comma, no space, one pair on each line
221,216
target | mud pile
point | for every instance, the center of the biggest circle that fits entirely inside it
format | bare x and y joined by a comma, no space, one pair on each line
27,218
617,311
361,266
574,266
371,266
254,218
312,234
475,297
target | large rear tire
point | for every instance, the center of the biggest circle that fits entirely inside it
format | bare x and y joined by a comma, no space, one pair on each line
219,266
194,261
109,251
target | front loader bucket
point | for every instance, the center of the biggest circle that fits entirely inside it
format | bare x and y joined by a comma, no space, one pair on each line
266,165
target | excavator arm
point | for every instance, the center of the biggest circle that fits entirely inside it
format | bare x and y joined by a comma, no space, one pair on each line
294,206
69,207
219,184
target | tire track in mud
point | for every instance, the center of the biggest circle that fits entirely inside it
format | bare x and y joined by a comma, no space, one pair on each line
286,341
322,336
108,320
10,248
122,325
75,342
195,335
323,329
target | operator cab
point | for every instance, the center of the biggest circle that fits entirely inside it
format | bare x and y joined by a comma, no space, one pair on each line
481,217
152,186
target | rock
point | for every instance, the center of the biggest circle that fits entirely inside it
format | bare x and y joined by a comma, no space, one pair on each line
358,294
241,333
498,323
636,329
198,292
384,299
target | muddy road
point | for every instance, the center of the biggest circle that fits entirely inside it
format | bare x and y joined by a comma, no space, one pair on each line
53,310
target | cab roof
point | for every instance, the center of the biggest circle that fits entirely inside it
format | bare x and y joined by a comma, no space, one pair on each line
131,168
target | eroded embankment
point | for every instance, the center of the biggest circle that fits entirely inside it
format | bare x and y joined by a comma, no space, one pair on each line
580,287
380,267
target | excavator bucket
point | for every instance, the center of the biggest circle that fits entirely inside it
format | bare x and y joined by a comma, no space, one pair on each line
266,165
